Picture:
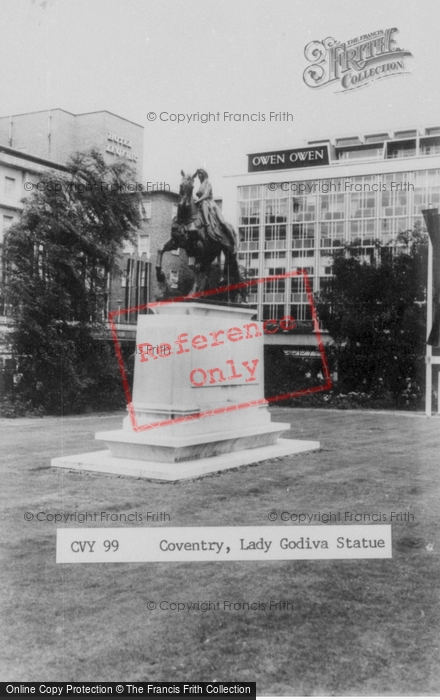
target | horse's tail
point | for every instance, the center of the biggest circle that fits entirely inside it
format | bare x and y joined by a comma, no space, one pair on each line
232,275
232,268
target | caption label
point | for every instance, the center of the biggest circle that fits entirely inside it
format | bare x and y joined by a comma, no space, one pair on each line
169,544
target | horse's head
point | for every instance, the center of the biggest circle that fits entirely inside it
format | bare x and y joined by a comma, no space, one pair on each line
186,188
186,206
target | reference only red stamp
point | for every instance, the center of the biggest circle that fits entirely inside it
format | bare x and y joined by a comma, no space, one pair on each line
200,360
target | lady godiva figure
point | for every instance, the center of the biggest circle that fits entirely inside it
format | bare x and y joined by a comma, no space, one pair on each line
217,228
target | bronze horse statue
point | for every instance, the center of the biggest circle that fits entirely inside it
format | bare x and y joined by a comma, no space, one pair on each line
193,230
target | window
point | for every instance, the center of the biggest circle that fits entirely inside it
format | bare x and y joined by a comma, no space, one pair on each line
394,205
303,236
249,237
298,289
271,260
276,211
9,186
361,153
332,206
304,208
136,281
332,234
128,247
298,255
274,290
275,237
362,200
145,210
249,192
429,147
427,190
250,262
302,312
273,311
390,228
363,231
401,149
7,222
249,213
144,245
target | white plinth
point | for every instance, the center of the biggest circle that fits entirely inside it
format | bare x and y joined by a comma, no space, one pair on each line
158,448
104,462
198,398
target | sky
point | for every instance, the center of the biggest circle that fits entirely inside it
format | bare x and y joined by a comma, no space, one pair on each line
135,57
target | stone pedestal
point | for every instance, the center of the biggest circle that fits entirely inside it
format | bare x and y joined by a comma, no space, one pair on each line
198,398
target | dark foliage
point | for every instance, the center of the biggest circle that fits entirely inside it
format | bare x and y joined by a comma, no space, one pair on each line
375,313
58,258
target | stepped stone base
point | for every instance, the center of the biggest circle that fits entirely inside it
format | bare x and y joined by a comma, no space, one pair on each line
150,447
171,471
198,408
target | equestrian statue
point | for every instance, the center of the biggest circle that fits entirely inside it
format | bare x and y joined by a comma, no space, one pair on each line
201,230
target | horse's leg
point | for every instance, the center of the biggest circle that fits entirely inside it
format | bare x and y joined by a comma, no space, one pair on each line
197,278
206,268
202,276
170,244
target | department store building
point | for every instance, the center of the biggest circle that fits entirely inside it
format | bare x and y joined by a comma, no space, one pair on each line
295,208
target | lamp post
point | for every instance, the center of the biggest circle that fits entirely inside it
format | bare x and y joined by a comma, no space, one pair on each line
432,221
119,302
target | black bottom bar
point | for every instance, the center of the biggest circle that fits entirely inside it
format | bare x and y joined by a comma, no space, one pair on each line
159,691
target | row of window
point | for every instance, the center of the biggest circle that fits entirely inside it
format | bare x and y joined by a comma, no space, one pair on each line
135,284
9,190
298,189
339,206
323,235
299,312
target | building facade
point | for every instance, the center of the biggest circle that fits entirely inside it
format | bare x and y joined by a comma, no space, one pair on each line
55,134
297,207
136,284
34,143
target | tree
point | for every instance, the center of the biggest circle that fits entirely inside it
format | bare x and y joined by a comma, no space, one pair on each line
58,258
375,313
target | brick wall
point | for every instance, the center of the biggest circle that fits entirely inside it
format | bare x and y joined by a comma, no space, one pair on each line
56,134
48,134
158,227
156,230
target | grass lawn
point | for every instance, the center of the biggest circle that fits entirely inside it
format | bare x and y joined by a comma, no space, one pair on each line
354,627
